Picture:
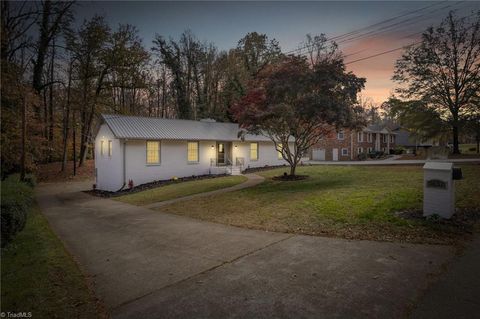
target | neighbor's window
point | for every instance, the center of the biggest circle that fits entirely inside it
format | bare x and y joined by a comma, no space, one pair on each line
360,150
384,138
102,148
341,135
153,152
392,138
360,136
344,151
279,153
192,152
369,149
110,148
369,137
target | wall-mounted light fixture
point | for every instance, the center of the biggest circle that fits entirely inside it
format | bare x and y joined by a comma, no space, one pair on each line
213,147
236,146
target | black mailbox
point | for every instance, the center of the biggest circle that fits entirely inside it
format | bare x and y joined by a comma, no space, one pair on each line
457,173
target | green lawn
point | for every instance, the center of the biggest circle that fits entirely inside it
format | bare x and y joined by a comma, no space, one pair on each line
346,201
40,277
180,189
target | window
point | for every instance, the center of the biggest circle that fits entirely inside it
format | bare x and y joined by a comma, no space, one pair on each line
369,137
279,153
370,149
344,151
110,145
153,152
360,136
102,148
253,151
384,138
392,138
192,152
340,135
360,150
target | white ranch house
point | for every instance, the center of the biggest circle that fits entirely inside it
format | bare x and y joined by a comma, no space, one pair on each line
146,149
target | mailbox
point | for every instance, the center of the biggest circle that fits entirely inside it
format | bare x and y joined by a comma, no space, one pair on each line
439,189
457,174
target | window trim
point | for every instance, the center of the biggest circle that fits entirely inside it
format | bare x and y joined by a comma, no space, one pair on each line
360,136
369,138
370,149
198,152
110,148
392,138
159,153
346,149
250,155
102,148
279,153
360,150
338,135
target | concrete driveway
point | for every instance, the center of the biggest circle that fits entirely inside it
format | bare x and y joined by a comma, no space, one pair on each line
149,264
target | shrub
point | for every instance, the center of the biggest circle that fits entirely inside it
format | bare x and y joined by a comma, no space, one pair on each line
472,149
362,156
16,200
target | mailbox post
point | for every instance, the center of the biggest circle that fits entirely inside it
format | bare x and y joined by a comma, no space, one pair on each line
438,189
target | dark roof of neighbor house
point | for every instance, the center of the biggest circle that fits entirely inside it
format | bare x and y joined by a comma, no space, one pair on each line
378,128
138,127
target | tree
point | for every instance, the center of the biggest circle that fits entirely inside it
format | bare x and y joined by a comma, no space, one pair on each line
443,70
294,103
421,121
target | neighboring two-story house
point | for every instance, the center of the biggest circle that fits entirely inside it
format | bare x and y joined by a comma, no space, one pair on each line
346,144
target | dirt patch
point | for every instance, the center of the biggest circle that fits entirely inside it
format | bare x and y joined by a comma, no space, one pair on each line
52,172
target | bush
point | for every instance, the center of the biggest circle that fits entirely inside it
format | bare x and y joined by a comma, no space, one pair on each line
472,149
16,200
362,156
398,150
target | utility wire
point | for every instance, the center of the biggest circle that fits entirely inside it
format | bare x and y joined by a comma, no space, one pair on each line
367,27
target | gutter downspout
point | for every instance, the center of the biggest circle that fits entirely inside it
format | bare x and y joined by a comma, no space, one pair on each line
124,166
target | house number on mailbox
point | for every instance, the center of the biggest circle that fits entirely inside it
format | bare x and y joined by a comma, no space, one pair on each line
436,183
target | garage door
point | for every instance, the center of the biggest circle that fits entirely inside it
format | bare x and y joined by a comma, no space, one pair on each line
318,154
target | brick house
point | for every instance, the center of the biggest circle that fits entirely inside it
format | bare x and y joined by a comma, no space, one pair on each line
346,145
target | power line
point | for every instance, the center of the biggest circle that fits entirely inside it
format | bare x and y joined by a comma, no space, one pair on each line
399,48
367,27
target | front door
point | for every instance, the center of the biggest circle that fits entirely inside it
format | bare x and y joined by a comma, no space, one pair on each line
220,153
335,154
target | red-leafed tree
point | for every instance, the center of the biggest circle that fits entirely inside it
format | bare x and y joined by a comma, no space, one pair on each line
295,104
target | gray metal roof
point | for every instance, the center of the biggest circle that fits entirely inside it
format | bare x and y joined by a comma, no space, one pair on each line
137,127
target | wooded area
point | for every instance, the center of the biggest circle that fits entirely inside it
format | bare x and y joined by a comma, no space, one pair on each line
57,79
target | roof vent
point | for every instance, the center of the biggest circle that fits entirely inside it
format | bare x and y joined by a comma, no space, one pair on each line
208,120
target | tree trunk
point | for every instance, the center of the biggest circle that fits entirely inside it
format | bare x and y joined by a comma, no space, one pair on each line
293,167
74,128
67,119
50,103
42,47
456,149
24,140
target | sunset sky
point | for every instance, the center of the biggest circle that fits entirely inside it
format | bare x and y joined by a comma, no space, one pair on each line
224,23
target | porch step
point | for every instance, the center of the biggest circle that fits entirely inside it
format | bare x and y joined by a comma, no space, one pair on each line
235,170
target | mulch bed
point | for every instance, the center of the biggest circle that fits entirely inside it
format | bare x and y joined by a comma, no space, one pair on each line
287,177
154,184
464,220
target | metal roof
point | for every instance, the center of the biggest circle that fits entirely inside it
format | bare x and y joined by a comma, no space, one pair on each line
137,127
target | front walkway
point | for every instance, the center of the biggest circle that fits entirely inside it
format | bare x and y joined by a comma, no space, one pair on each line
145,264
252,180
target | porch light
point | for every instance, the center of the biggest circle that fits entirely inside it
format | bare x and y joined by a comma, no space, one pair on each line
235,146
213,147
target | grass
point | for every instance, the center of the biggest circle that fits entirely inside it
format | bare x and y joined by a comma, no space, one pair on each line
180,189
40,277
346,201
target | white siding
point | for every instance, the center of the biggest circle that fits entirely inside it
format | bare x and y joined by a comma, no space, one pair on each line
173,160
109,169
267,154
